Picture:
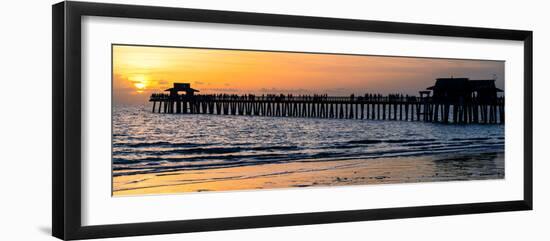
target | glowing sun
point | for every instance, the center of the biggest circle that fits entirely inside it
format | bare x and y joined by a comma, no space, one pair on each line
140,82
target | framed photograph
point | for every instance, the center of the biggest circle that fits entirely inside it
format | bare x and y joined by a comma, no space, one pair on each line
172,120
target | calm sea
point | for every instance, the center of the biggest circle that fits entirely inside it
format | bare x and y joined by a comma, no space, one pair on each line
145,142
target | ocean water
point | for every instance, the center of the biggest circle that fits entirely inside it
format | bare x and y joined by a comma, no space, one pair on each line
145,142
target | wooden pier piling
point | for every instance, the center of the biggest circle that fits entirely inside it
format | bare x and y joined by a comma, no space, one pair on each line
367,107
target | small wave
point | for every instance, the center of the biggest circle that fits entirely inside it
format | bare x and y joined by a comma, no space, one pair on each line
422,144
408,140
183,163
471,139
159,144
375,141
121,160
365,142
268,153
206,150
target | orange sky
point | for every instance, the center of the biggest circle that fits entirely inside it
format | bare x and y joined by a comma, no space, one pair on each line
139,71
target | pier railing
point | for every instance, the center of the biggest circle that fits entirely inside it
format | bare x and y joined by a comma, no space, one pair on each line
368,106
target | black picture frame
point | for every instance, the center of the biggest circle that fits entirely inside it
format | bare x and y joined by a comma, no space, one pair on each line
66,128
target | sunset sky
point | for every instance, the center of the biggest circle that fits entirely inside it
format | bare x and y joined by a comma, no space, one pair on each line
139,71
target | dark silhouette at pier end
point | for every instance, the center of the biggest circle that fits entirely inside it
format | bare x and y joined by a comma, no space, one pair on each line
185,87
457,90
452,100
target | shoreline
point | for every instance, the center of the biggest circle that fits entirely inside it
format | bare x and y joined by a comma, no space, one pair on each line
411,169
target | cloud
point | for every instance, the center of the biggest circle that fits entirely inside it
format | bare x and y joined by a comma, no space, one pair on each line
282,91
232,90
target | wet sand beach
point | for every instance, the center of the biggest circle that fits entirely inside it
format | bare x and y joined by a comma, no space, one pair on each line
317,173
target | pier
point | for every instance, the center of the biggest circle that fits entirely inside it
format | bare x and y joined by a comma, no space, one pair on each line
477,104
